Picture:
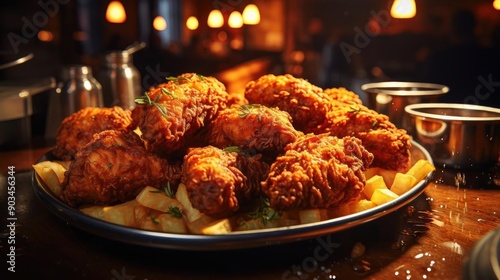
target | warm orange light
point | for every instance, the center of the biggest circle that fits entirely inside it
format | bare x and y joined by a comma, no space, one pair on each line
235,20
115,13
45,36
215,19
192,23
251,15
159,23
403,9
496,4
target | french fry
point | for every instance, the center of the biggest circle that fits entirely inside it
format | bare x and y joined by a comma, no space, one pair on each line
421,169
381,196
197,225
388,175
312,215
156,199
95,211
375,182
149,223
48,177
362,205
403,183
64,163
169,223
218,227
370,172
121,214
192,214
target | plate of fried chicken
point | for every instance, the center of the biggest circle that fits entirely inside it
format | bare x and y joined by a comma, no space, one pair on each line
286,140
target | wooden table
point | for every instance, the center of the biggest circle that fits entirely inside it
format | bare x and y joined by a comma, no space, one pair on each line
430,242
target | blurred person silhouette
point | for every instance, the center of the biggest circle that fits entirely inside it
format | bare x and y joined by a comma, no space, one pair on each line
335,67
464,66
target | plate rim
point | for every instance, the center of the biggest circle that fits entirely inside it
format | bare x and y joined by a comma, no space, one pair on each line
234,240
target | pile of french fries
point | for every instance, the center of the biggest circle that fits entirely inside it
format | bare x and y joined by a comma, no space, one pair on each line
164,211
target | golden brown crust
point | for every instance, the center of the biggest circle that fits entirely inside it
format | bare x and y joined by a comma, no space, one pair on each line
177,110
254,127
78,129
218,182
389,145
317,171
113,168
305,102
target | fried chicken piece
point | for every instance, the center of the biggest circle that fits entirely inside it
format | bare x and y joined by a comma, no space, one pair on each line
343,95
78,129
307,104
317,171
174,112
114,167
218,181
389,145
254,127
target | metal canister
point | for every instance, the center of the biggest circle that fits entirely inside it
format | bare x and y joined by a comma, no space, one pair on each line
79,89
76,90
120,80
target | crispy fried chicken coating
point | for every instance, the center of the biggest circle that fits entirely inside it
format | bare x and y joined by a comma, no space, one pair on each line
254,127
317,171
389,145
174,112
306,103
114,167
77,129
343,95
219,181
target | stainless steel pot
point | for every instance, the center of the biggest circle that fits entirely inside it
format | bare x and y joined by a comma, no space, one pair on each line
16,110
457,135
391,98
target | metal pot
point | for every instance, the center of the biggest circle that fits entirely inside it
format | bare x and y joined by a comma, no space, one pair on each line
457,135
16,106
390,98
16,110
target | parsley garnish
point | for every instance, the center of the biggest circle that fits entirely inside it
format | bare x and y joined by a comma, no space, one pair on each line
146,100
166,92
354,109
264,212
167,191
175,212
154,220
246,109
232,149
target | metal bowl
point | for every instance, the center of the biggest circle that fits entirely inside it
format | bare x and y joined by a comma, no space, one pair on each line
390,98
457,135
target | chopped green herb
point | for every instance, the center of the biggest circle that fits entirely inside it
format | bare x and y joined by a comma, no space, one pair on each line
146,100
354,109
166,92
175,212
246,109
168,191
154,220
264,212
232,149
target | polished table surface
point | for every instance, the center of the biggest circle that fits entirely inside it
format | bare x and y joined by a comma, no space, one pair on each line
429,238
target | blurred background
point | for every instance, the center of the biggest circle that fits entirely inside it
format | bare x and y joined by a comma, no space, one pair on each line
332,43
